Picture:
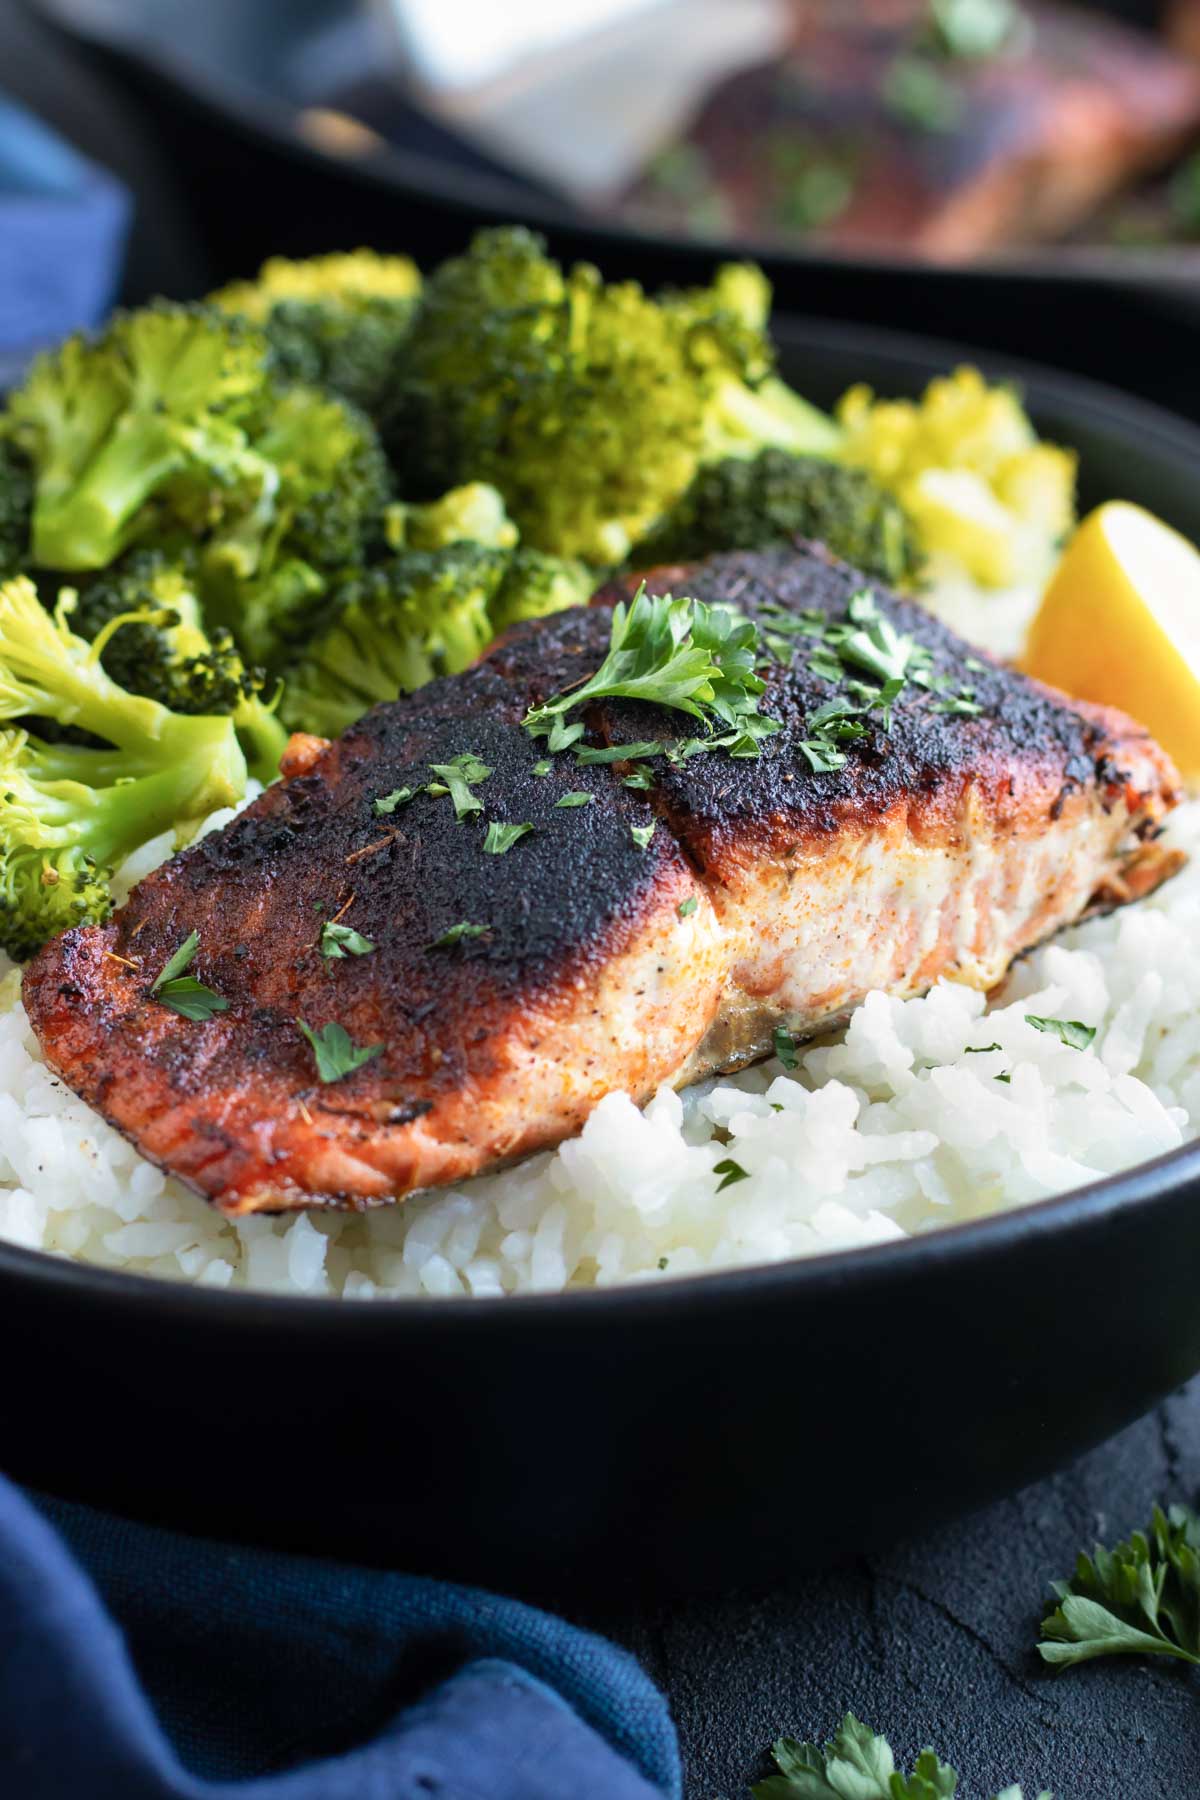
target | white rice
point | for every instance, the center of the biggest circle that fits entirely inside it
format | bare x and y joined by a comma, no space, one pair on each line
898,1126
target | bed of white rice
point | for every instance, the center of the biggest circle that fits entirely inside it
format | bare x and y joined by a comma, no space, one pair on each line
899,1125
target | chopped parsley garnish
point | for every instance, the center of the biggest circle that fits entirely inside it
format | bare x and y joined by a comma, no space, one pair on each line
191,999
729,1171
785,1048
640,778
342,940
823,755
1142,1597
1068,1031
335,1054
682,654
981,1049
641,834
662,1262
398,797
183,994
864,642
543,767
176,964
458,777
501,838
577,797
612,753
456,934
958,706
687,907
1005,1077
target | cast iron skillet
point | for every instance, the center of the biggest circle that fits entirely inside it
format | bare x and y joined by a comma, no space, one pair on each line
689,1434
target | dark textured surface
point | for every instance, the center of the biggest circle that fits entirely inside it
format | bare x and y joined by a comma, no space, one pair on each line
933,1643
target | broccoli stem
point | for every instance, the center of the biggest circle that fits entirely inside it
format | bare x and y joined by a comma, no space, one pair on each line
88,526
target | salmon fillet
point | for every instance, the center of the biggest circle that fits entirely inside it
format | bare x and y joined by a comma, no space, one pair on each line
767,894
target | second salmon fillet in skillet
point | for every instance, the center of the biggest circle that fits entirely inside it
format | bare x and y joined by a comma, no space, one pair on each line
989,813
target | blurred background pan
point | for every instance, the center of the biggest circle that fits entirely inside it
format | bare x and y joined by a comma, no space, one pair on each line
403,124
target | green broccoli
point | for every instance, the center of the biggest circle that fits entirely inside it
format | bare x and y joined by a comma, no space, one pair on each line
475,511
743,503
589,405
68,814
264,576
146,419
166,653
536,584
16,508
337,322
391,629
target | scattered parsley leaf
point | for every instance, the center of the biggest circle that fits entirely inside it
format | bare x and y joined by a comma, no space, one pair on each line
640,778
456,933
562,735
336,1056
543,767
191,999
398,797
342,940
693,658
641,834
1141,1598
729,1171
501,838
459,775
176,964
823,755
687,907
1068,1031
613,753
981,1049
958,706
1004,1077
858,1765
577,797
785,1048
662,1262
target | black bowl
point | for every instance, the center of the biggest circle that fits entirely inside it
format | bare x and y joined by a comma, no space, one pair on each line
688,1434
224,89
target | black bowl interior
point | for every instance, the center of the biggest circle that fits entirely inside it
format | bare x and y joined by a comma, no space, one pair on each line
686,1434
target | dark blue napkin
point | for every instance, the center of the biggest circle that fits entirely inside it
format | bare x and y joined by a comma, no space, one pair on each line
63,224
205,1671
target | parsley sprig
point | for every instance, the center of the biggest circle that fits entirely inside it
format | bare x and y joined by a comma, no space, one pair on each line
1141,1598
185,995
858,1765
695,659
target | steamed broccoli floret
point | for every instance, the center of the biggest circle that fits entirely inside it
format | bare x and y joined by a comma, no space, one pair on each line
475,511
265,575
68,814
744,503
337,322
589,405
168,655
536,584
149,415
16,508
391,629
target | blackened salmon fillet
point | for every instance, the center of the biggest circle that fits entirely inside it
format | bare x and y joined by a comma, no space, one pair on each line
597,954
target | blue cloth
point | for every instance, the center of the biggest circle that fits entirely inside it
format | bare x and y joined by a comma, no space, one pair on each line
212,1672
63,225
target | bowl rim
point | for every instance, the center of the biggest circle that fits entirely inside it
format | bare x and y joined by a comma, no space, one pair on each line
1161,1179
266,115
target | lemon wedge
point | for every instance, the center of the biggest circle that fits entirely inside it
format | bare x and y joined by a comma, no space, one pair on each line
1120,624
